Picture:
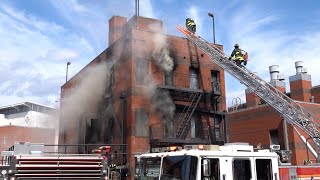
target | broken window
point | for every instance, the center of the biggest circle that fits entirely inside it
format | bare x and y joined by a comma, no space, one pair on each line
142,123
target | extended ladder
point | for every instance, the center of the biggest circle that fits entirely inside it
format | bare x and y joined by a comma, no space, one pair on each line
292,112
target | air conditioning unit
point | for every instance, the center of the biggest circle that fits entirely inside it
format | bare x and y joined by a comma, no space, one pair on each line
275,147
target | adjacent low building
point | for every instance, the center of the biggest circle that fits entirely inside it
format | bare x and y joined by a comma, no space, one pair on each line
27,122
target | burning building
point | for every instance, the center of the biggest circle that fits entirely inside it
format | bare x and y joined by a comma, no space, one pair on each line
147,89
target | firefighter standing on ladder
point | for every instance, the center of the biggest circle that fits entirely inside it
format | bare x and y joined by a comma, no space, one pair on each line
191,26
240,55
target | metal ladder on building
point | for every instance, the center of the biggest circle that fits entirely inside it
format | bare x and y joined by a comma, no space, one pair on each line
187,114
292,112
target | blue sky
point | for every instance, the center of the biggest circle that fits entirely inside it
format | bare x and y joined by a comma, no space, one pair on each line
38,38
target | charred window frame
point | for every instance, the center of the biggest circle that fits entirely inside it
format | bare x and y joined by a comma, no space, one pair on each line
142,71
142,122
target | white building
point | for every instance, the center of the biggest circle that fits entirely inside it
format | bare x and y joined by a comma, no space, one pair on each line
28,114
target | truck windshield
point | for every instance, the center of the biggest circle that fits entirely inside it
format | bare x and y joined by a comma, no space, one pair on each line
179,167
149,167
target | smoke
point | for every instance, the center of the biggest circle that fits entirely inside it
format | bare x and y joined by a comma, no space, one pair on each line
161,101
83,101
160,53
164,105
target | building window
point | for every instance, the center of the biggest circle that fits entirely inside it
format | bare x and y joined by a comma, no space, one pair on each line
142,71
168,78
274,138
142,123
194,78
217,127
241,169
196,125
215,81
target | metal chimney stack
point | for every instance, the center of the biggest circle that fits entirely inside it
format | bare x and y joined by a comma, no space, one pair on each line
299,68
274,73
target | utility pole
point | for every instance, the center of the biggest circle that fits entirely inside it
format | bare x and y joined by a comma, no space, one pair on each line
214,35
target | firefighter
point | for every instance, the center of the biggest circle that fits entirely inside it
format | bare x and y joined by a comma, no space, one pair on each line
240,55
191,26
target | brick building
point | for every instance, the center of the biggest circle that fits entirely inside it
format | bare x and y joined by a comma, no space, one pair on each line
259,124
162,89
11,134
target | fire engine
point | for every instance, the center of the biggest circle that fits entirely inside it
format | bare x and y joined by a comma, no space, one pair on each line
238,161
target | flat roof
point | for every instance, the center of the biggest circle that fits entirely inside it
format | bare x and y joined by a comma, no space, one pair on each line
24,104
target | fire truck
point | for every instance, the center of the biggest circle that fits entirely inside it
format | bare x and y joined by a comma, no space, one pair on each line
238,161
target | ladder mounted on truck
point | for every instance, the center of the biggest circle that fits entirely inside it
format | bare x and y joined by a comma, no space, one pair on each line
292,112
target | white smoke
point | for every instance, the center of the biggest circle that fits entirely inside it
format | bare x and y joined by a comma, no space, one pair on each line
162,102
84,100
160,53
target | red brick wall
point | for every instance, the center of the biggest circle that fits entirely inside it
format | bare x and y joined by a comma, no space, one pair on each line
252,100
25,134
300,90
116,24
315,92
253,125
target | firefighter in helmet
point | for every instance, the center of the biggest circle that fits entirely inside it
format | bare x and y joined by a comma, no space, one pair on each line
239,55
191,26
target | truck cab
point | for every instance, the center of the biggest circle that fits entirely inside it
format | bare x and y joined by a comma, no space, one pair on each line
211,162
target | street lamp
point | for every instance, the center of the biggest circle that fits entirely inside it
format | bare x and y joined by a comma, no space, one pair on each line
214,35
68,63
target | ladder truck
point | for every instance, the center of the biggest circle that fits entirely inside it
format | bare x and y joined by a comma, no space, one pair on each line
235,160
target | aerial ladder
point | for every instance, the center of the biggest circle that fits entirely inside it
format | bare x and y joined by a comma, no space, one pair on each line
291,111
